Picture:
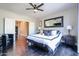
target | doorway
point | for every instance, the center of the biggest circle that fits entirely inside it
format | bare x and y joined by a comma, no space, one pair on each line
22,31
22,28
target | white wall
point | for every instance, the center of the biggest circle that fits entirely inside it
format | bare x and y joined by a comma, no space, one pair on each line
12,15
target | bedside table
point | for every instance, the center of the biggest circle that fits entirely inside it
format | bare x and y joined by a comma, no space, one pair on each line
69,40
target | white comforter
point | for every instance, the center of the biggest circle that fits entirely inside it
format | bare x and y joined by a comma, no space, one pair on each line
44,37
46,40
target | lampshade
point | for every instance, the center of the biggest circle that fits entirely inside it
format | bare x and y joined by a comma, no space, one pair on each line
69,27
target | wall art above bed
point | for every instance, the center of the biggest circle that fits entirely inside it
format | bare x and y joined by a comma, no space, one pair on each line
54,22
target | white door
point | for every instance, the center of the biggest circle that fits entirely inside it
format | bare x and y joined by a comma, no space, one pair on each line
9,26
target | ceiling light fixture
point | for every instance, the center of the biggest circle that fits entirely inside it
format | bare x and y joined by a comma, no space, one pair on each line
35,10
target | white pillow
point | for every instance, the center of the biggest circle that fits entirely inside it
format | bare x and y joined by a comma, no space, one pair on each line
54,32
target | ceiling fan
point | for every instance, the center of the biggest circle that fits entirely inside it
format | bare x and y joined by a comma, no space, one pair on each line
35,7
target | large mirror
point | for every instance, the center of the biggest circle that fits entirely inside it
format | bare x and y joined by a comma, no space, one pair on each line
54,22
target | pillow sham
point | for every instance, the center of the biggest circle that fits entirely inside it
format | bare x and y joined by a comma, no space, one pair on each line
55,32
50,32
47,32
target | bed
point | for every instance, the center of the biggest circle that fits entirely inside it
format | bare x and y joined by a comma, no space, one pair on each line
50,41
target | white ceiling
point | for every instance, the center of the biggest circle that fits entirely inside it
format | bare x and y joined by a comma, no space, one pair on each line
48,8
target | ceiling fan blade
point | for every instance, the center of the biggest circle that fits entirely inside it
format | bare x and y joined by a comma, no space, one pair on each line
29,8
40,5
32,5
40,9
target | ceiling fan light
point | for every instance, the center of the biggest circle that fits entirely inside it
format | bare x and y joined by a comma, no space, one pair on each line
35,10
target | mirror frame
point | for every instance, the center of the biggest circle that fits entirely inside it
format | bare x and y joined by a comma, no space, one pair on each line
56,24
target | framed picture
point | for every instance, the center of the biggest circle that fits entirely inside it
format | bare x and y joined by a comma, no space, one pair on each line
54,22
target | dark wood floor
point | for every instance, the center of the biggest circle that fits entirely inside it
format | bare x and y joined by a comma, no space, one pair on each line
21,46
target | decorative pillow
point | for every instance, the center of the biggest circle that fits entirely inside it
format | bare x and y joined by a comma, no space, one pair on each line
51,32
55,32
47,32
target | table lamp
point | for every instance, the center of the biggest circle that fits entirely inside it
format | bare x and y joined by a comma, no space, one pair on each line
69,28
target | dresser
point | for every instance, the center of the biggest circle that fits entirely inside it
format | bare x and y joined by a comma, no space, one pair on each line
69,40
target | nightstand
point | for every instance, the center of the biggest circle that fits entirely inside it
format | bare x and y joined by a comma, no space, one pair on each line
69,40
